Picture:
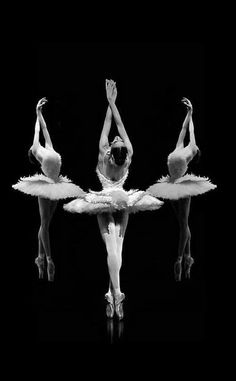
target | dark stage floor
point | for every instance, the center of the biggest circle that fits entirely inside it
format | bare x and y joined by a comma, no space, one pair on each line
149,316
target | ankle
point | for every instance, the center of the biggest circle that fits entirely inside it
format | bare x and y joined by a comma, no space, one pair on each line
39,260
179,259
116,292
49,260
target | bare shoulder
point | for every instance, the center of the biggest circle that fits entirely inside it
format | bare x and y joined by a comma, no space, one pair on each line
38,152
102,159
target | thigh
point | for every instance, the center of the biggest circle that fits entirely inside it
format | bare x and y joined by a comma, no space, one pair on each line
105,221
121,222
44,208
184,209
175,207
53,205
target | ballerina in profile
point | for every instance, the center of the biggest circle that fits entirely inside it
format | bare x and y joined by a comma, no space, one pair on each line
179,187
49,187
113,204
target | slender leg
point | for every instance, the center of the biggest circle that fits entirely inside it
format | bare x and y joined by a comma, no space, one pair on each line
46,210
39,260
188,260
107,229
185,235
50,263
120,226
182,209
178,263
41,251
42,248
112,228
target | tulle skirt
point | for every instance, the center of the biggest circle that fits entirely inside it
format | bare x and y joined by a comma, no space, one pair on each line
110,200
188,185
43,186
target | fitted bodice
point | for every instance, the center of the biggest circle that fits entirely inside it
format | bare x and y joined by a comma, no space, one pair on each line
51,163
107,183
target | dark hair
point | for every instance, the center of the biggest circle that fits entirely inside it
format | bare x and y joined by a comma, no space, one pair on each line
32,158
119,154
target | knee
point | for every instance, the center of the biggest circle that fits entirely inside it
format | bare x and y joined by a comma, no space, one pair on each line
44,224
112,260
185,229
188,232
111,229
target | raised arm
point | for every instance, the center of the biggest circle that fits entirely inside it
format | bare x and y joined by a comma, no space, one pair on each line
186,122
103,142
42,122
191,132
111,91
36,137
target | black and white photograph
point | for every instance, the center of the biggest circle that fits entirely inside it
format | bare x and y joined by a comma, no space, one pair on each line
113,189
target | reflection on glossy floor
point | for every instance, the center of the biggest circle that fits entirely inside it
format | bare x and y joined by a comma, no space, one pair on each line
173,313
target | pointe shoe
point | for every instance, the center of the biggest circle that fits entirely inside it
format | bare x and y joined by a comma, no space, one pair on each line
39,261
110,305
188,262
178,269
119,305
50,269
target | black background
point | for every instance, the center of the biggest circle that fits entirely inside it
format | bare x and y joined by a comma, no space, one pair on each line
151,80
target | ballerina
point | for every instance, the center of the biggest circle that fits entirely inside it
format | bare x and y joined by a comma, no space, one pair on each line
113,204
49,187
179,187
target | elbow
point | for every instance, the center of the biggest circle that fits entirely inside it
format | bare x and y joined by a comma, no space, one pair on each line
33,150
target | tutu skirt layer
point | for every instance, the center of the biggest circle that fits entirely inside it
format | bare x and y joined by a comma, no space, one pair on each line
185,186
42,186
110,200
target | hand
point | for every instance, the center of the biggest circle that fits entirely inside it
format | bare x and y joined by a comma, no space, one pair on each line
111,90
40,104
187,102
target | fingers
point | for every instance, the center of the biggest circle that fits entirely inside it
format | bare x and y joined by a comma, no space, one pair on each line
187,102
41,102
110,82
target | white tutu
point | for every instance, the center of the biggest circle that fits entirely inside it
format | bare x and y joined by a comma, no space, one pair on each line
112,198
188,185
43,186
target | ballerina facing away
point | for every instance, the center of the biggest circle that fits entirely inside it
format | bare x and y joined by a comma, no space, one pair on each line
49,187
113,204
179,187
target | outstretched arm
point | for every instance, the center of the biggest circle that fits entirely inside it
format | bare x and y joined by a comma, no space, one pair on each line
111,93
186,122
42,122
